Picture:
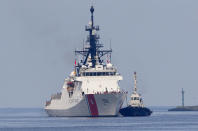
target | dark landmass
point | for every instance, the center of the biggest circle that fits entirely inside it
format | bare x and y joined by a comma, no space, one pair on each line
184,108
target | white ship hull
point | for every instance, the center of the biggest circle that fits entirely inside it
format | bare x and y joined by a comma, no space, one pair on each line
107,104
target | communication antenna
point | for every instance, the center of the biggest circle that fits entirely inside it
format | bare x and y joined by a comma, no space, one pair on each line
92,3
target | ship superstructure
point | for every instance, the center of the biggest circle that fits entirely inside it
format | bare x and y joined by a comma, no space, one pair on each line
92,89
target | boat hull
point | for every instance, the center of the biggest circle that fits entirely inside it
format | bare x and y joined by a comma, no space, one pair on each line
91,105
135,111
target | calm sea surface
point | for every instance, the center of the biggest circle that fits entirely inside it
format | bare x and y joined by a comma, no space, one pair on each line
35,119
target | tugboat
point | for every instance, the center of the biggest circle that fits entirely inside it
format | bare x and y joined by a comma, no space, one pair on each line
135,107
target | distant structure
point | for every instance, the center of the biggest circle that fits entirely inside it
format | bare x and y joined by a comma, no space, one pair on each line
182,107
182,97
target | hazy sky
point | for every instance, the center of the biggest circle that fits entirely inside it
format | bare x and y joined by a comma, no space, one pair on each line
156,38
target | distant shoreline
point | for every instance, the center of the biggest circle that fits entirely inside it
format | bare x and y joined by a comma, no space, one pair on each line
184,108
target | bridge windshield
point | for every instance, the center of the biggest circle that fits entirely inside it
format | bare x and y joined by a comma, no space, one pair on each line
98,73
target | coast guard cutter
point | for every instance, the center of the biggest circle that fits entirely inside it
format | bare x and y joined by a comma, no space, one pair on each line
92,89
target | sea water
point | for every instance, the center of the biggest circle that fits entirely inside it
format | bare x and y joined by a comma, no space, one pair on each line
35,119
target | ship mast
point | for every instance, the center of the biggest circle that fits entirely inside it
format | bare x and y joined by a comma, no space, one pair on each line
135,82
93,50
92,39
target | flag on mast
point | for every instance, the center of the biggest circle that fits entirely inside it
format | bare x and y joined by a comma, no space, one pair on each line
75,67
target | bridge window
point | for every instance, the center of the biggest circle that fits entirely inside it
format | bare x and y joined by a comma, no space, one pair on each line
111,73
98,73
136,98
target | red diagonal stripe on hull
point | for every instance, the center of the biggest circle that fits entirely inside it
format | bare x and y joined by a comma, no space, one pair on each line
92,105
